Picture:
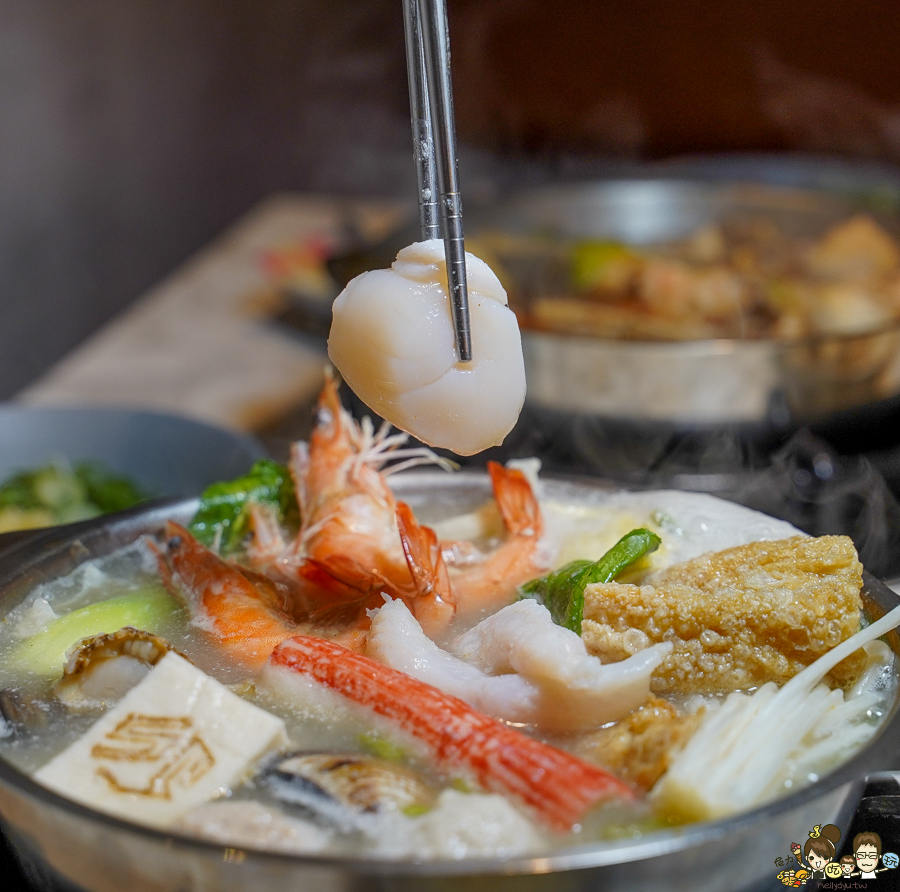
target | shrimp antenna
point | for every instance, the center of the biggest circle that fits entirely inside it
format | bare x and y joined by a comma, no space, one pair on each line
378,448
421,455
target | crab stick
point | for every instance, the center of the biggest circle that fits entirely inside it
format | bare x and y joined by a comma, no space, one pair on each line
556,786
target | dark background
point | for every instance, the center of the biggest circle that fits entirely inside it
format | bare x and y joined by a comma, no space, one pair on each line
132,131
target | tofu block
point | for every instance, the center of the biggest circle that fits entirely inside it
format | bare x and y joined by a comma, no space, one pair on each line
175,741
737,618
640,748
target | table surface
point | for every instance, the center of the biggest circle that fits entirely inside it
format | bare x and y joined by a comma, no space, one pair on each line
201,343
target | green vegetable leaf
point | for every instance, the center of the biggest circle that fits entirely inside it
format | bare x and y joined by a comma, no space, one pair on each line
50,487
224,506
108,491
562,592
57,494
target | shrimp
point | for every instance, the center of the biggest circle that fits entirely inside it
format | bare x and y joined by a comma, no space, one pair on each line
355,541
490,584
222,600
244,613
558,787
431,601
346,506
427,592
248,613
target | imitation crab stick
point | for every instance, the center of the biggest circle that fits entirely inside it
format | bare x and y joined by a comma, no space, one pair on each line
558,787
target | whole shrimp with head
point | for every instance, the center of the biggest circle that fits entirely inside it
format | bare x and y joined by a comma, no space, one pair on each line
356,542
392,339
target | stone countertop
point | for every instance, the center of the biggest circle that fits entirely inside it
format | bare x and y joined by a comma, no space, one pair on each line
202,343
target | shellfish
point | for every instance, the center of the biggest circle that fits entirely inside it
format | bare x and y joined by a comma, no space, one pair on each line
22,715
102,669
340,788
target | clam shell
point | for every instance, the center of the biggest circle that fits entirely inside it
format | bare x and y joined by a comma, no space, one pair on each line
337,786
23,715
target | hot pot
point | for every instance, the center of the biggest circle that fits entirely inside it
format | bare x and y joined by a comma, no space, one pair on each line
64,846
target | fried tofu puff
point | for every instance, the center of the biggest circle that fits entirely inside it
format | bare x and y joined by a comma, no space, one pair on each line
738,618
639,748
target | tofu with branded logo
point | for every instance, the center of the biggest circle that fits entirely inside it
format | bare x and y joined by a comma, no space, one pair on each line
175,741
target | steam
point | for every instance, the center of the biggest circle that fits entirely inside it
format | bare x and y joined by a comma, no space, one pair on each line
820,492
805,481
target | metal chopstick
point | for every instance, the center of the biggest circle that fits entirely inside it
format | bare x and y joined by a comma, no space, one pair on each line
420,113
432,109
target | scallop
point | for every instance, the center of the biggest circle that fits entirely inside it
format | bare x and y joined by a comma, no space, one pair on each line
392,339
100,670
340,787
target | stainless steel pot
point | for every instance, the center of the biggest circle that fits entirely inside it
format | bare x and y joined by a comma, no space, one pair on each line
64,845
686,382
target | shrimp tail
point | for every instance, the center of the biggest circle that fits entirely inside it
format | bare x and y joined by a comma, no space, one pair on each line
433,603
516,501
558,787
223,602
491,583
